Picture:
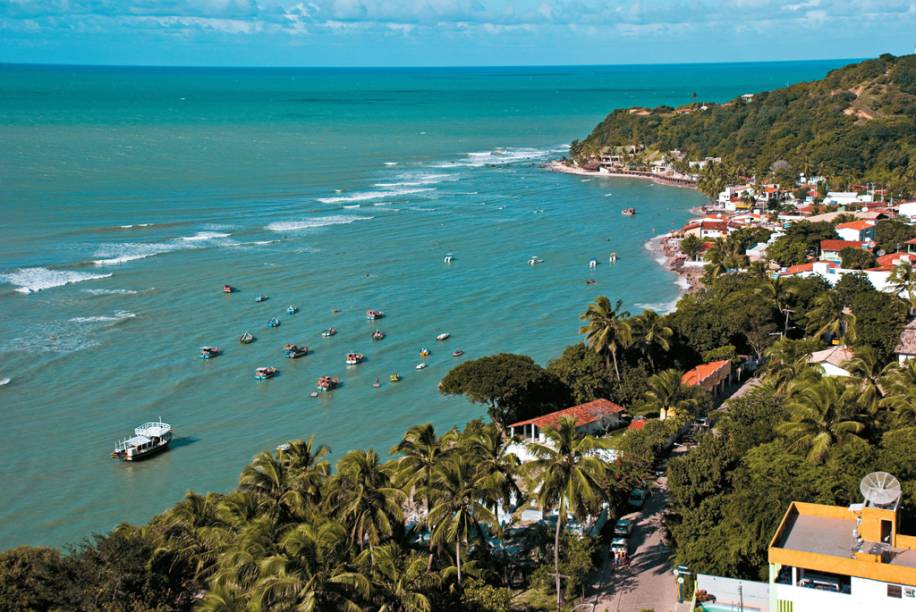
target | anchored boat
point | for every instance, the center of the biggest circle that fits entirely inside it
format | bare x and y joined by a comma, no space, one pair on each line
449,258
261,298
628,212
327,383
246,338
265,373
294,351
354,358
291,309
275,322
328,332
394,378
457,353
372,315
421,366
148,439
208,352
228,288
424,353
443,336
535,260
378,335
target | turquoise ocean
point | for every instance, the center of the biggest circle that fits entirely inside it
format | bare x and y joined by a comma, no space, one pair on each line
131,195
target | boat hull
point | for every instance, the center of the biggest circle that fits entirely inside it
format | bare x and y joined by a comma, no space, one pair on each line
140,456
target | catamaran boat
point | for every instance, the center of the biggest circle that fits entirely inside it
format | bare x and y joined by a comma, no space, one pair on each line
378,335
208,352
372,315
228,288
535,260
291,309
261,298
148,439
275,322
354,358
265,373
443,336
327,383
294,351
449,258
246,338
328,332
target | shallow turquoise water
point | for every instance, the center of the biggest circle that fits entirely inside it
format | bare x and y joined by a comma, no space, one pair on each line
148,189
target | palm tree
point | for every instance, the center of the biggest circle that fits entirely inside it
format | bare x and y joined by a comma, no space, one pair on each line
495,464
421,450
666,395
899,381
822,415
691,246
903,280
651,333
726,254
865,366
461,508
787,361
567,476
364,499
267,478
829,315
398,580
194,533
309,573
608,330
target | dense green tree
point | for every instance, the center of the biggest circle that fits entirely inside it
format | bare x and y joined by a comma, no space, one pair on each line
35,579
666,396
691,246
903,281
856,259
891,235
583,372
650,334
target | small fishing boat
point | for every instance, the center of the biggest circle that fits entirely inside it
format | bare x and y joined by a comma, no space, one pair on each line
261,298
394,378
354,358
377,383
628,212
424,352
294,351
372,315
328,332
246,338
449,258
592,263
327,383
148,439
275,322
535,260
457,353
208,352
443,336
265,373
613,257
591,281
228,288
314,394
421,366
378,335
291,309
4,382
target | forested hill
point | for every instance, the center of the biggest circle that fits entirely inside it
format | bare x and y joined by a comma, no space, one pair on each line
858,123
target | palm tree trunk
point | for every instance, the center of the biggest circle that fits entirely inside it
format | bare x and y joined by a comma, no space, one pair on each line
616,371
458,556
556,559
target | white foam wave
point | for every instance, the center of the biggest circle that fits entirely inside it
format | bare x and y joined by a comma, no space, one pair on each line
497,157
372,195
32,280
204,236
304,224
111,291
660,307
352,206
119,315
419,180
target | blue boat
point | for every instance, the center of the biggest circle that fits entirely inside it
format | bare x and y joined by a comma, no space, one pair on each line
275,322
291,309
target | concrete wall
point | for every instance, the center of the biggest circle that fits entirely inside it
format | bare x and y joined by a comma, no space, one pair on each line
755,595
866,595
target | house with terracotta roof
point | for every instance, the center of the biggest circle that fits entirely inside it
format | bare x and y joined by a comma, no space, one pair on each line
831,360
911,246
593,417
713,376
637,423
906,348
830,249
861,230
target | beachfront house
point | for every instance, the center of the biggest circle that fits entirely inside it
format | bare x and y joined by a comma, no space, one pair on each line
713,376
832,360
906,348
907,209
595,417
830,249
857,231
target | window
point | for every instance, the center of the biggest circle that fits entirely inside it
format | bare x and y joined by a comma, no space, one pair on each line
894,590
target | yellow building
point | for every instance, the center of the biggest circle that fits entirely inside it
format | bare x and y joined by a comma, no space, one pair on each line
835,558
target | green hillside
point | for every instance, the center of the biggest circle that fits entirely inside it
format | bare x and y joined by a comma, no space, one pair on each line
857,124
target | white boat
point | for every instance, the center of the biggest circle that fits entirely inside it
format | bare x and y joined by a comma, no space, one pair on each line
449,258
443,336
148,439
535,260
354,358
592,263
4,381
421,366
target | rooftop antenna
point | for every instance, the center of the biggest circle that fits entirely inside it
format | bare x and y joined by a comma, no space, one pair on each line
880,489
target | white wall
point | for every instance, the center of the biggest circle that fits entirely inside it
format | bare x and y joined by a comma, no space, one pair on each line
755,595
866,595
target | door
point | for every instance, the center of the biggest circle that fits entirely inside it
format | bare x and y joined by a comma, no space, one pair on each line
886,531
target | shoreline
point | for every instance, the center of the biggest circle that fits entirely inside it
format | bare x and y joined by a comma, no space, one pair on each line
558,166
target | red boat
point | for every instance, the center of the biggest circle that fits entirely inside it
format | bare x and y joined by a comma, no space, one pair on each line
372,315
327,383
228,288
354,358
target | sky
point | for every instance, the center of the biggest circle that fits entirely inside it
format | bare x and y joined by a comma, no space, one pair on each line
449,32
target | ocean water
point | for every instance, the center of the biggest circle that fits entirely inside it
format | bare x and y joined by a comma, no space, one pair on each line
130,196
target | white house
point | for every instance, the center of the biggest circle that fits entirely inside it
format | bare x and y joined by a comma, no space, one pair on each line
906,348
907,209
860,231
831,360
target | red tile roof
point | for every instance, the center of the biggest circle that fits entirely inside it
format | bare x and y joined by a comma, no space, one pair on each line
889,260
583,413
805,267
703,371
714,225
856,225
637,424
913,241
839,245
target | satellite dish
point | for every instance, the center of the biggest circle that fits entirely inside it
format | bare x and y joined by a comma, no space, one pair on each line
880,489
881,253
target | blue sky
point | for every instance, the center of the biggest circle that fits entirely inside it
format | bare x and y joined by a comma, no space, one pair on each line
448,32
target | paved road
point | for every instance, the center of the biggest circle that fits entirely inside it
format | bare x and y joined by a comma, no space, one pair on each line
648,582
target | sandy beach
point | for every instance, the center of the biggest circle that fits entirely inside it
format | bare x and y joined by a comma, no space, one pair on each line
558,166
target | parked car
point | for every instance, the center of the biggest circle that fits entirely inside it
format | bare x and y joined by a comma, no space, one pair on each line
623,527
638,498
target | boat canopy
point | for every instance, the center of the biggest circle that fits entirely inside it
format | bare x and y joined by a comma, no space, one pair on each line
153,429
